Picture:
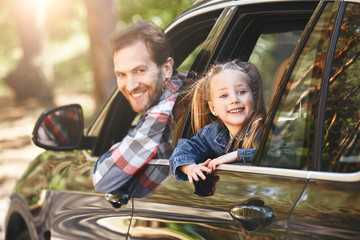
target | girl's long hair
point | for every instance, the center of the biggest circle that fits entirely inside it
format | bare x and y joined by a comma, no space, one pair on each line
201,114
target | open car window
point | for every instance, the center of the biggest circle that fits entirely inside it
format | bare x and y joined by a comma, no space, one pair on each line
264,37
116,118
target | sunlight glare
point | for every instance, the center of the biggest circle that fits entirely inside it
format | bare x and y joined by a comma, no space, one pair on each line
39,6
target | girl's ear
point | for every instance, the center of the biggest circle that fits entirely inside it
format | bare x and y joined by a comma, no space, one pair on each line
167,68
212,108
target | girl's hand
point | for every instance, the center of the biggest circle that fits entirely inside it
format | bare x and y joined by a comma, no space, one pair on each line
194,171
215,163
227,158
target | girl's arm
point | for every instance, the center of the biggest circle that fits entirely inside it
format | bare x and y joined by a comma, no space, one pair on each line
192,152
227,158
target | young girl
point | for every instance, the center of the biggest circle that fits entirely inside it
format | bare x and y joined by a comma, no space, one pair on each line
233,93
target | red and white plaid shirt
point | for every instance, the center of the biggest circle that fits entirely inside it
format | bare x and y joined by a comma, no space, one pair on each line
150,139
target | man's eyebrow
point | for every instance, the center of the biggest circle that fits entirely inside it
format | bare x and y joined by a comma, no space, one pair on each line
132,69
139,66
117,71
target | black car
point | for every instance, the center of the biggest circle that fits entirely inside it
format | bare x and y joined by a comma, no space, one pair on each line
308,55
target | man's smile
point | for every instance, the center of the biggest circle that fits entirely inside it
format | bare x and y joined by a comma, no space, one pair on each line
136,95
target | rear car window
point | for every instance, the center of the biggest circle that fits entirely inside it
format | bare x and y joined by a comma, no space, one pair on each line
291,140
341,139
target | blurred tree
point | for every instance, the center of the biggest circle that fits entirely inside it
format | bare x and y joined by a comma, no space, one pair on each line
102,19
33,76
8,40
37,26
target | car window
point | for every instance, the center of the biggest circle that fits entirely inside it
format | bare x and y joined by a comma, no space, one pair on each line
266,35
262,35
185,66
186,37
271,53
341,139
95,128
291,139
117,117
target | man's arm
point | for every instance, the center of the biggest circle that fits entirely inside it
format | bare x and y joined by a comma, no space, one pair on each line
115,168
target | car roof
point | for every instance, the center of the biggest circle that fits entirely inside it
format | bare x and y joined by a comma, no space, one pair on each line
203,6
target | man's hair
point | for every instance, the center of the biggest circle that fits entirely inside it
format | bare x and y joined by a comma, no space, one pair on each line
151,35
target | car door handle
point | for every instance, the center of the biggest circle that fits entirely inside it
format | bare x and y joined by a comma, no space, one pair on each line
250,213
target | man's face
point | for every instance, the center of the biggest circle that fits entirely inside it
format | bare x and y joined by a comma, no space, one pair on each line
139,78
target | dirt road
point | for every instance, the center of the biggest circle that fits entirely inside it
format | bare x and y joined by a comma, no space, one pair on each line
16,149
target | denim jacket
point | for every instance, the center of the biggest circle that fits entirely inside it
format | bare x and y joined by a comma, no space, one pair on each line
210,142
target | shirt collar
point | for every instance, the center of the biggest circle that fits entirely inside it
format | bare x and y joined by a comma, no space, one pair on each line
223,138
172,87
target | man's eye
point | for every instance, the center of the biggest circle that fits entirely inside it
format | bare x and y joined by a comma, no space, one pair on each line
120,75
139,71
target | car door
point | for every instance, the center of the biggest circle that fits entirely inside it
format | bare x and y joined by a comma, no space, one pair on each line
329,206
238,201
56,199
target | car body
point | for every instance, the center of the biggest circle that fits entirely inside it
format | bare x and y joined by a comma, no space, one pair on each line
304,181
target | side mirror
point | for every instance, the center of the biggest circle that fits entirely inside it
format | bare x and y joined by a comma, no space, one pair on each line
61,129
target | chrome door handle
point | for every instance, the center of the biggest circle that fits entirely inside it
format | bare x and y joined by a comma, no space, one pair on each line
250,213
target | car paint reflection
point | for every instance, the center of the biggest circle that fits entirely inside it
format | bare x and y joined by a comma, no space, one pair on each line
58,190
81,216
208,217
331,208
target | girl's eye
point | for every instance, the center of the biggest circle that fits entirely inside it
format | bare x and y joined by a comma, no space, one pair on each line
223,96
241,92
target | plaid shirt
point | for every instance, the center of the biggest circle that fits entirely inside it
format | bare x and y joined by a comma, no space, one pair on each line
151,139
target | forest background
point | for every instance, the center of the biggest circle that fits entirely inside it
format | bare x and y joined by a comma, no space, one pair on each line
55,52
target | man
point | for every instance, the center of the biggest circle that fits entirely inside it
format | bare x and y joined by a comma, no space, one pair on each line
144,71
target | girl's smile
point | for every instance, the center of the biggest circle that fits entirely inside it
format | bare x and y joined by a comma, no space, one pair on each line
237,110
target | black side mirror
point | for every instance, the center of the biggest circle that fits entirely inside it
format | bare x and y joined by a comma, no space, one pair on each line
61,129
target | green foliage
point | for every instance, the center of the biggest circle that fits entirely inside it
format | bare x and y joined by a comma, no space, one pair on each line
161,12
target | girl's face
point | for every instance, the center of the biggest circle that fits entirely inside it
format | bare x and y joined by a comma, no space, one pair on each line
231,99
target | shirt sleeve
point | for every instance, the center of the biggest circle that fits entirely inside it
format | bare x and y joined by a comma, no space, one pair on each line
115,168
245,155
189,151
